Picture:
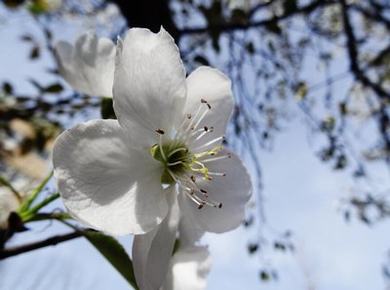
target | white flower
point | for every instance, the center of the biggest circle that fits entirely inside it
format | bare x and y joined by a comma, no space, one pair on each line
88,66
112,174
162,159
170,129
188,269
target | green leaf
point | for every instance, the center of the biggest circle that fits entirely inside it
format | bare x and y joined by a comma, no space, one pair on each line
113,251
34,194
31,212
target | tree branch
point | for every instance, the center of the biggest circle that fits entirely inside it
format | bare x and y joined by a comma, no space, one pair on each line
373,15
354,56
357,71
52,241
228,27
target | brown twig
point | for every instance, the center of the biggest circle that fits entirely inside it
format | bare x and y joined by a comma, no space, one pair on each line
52,241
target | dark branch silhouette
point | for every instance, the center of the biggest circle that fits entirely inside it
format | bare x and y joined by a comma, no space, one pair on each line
52,241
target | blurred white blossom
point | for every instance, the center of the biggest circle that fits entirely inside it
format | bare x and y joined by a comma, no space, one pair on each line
88,66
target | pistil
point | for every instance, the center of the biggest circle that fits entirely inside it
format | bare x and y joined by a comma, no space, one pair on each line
183,167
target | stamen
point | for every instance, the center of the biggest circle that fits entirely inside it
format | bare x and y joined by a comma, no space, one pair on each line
191,125
161,147
177,150
191,189
201,118
201,135
194,199
217,173
200,130
173,175
203,169
210,143
192,120
216,158
175,163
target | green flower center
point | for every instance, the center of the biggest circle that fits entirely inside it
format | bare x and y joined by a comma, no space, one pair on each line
189,170
175,157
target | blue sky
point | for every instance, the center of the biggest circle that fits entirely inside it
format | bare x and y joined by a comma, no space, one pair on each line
301,194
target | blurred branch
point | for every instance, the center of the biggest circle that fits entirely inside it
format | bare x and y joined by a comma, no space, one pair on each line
50,216
4,182
353,54
357,71
140,14
228,27
52,241
373,15
260,6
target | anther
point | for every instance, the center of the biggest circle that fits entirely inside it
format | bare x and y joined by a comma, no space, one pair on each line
206,128
193,178
202,190
189,116
220,205
159,131
203,101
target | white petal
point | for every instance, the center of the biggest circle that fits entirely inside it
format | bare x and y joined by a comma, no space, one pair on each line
189,231
104,183
189,269
149,83
152,251
88,67
232,190
214,87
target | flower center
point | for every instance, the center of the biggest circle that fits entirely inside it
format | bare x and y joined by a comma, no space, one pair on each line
175,157
187,168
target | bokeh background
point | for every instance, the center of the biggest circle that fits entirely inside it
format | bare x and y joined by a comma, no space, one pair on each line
312,122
